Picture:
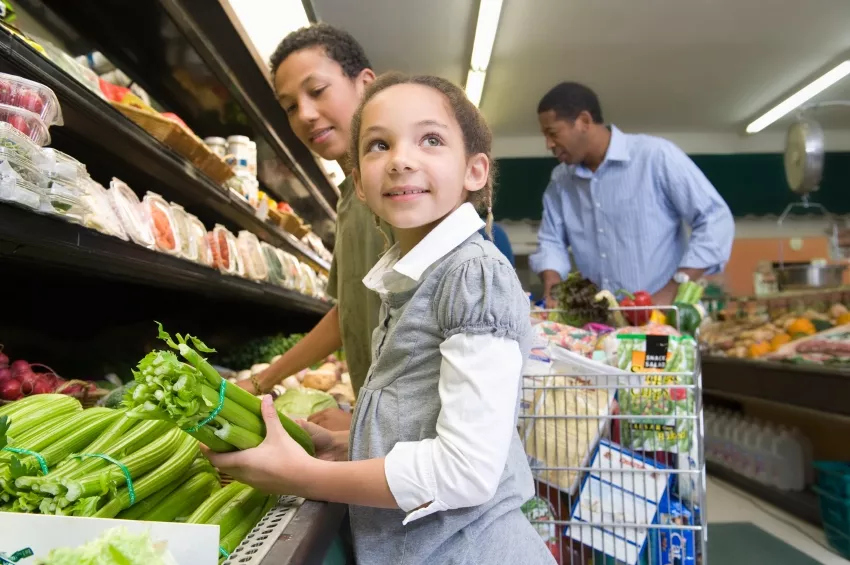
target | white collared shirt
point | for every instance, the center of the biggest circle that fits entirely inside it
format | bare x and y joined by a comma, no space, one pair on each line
479,376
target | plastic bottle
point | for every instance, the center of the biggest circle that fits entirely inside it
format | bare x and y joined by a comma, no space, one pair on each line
790,474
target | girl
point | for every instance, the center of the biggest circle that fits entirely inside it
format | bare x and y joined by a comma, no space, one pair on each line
433,467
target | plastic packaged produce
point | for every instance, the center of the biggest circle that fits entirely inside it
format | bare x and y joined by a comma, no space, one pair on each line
59,167
225,252
64,202
129,210
25,122
291,271
101,216
15,190
188,245
198,234
23,146
311,284
274,263
252,256
31,96
81,74
163,226
24,167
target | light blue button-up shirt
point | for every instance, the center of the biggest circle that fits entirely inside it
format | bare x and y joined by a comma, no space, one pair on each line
627,223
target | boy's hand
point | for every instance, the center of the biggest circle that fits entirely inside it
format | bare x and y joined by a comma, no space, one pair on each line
333,419
278,465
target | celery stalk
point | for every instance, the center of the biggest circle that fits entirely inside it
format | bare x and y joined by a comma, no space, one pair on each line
199,466
185,500
238,437
231,540
214,503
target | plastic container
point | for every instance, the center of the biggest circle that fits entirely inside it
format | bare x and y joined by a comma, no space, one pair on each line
25,122
129,210
188,244
291,271
198,234
25,168
311,284
31,96
252,255
225,252
217,145
833,490
23,146
239,152
59,166
276,269
69,208
163,226
15,190
101,216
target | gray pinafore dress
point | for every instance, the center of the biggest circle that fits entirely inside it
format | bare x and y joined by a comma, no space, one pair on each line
471,290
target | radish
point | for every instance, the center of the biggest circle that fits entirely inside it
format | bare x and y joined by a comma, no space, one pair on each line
42,386
18,367
4,359
10,390
28,382
5,373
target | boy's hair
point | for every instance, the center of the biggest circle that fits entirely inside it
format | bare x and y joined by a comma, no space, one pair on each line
569,99
477,137
338,44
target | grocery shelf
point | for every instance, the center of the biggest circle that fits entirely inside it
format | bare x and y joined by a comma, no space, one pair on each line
26,237
802,505
310,529
94,132
814,387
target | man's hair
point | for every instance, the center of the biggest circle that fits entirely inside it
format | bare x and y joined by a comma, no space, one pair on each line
569,99
338,44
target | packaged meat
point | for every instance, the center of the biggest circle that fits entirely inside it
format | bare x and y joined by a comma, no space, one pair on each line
101,216
252,256
16,190
225,252
198,235
291,271
23,146
163,227
188,244
276,268
129,210
31,96
59,167
25,122
24,167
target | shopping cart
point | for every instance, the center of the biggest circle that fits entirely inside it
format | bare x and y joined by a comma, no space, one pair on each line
617,455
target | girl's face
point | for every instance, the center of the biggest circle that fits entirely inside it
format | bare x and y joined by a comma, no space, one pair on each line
413,169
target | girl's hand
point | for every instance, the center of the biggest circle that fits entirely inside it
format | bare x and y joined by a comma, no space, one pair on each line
330,445
278,465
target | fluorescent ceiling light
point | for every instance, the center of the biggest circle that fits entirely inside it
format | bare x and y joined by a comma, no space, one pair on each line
267,23
475,86
485,33
800,97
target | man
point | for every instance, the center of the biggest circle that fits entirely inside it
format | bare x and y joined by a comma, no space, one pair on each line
320,74
620,202
501,241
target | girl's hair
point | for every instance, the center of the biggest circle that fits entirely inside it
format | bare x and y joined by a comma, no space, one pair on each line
477,137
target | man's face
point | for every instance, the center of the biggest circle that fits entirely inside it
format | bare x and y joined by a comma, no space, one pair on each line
319,100
566,139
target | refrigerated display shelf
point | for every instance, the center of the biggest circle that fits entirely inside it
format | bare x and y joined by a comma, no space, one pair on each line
26,237
261,539
95,122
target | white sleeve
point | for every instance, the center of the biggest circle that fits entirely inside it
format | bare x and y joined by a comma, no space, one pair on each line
462,466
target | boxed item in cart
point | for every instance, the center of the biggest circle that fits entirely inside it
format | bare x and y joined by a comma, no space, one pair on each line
565,408
31,96
676,545
620,488
187,543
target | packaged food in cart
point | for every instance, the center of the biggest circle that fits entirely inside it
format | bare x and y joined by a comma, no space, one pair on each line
25,122
188,245
162,224
252,256
198,234
31,96
129,210
101,216
276,268
225,252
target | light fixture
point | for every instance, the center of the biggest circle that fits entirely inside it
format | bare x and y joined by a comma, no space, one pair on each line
267,23
489,12
800,97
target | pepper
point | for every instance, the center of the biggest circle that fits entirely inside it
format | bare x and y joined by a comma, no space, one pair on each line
687,318
639,298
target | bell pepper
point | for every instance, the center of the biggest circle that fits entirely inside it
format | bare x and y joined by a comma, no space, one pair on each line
687,318
640,298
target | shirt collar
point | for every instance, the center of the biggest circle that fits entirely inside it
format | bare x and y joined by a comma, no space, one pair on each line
618,148
456,228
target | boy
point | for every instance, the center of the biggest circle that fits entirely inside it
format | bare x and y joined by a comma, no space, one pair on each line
319,74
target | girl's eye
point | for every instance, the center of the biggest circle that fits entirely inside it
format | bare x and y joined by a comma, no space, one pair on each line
432,141
376,146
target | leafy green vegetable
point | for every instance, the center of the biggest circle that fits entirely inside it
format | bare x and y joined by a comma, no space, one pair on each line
260,350
116,546
303,402
576,297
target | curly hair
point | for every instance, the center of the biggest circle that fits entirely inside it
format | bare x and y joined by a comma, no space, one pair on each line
569,99
338,44
477,137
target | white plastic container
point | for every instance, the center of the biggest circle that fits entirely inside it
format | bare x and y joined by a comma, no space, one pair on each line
790,473
129,210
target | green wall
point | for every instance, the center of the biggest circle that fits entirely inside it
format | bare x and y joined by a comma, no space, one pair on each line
752,184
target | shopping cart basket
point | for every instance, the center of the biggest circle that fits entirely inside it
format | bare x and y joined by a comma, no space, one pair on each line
616,450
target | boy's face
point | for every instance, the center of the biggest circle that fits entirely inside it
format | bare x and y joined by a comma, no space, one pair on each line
320,100
413,169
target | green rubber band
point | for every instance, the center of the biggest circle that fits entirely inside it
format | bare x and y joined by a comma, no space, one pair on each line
215,411
120,465
41,462
223,552
17,556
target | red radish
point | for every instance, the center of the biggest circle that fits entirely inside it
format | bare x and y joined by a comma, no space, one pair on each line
18,367
10,390
5,373
4,359
42,386
28,382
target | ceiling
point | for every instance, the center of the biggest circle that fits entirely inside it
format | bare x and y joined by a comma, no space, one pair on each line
657,65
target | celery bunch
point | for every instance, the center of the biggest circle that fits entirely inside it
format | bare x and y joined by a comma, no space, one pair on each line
188,392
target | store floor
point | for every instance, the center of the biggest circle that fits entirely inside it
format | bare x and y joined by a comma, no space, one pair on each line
747,531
